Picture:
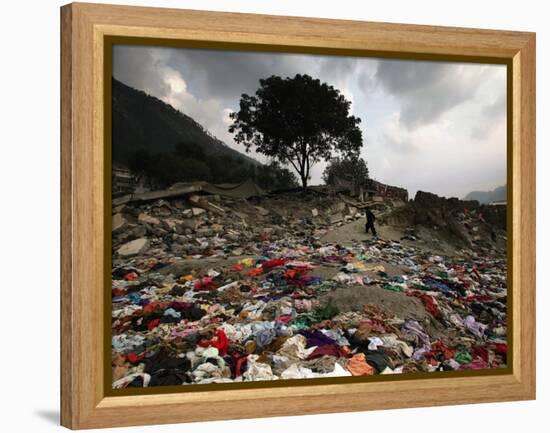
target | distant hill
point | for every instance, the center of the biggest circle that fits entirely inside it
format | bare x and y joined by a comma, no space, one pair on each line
141,121
484,197
164,146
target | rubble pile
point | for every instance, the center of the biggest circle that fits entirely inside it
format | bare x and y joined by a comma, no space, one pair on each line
461,224
209,289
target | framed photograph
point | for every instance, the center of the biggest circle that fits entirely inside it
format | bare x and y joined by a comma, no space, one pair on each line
267,216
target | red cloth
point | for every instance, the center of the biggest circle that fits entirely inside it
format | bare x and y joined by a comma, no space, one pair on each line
240,362
328,349
119,292
220,342
255,272
440,347
501,348
237,268
153,306
205,283
480,352
134,357
131,276
152,324
274,263
473,298
429,302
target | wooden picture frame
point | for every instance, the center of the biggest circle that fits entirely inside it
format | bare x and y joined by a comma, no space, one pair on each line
85,28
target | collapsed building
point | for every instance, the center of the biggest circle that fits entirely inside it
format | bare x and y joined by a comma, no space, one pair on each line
374,189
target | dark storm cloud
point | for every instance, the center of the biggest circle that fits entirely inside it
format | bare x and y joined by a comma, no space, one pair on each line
426,90
223,75
227,74
208,74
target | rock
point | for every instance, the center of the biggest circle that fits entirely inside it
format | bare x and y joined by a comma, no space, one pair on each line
191,224
159,232
132,248
148,219
277,219
201,202
178,249
118,222
180,229
205,232
233,236
262,211
179,238
217,228
133,211
163,210
241,225
169,225
338,207
138,232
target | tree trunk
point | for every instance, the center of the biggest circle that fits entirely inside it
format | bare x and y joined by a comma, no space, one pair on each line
304,182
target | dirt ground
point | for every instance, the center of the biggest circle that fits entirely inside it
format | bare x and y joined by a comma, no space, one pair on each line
355,231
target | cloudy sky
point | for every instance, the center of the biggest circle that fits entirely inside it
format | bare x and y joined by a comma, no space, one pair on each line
431,126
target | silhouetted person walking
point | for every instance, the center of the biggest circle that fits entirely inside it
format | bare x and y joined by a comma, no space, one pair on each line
370,221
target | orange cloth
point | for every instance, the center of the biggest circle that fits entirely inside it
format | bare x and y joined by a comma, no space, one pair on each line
255,272
358,366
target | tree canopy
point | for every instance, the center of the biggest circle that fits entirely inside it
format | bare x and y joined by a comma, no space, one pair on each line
189,163
298,121
351,170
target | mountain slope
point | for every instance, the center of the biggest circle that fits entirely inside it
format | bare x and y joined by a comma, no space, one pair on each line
484,197
141,121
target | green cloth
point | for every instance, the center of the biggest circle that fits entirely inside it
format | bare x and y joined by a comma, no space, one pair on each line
303,321
325,313
463,358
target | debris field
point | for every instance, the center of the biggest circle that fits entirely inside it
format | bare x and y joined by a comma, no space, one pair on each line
214,289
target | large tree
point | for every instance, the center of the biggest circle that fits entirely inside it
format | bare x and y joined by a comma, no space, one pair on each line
298,121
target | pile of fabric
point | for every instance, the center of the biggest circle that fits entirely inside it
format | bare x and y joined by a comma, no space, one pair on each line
275,315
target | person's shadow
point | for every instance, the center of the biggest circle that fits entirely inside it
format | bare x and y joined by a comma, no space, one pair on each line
50,415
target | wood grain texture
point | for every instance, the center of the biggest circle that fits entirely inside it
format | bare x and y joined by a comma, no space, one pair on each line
84,27
67,394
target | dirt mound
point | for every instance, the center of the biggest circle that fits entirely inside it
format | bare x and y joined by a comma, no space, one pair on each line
352,298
